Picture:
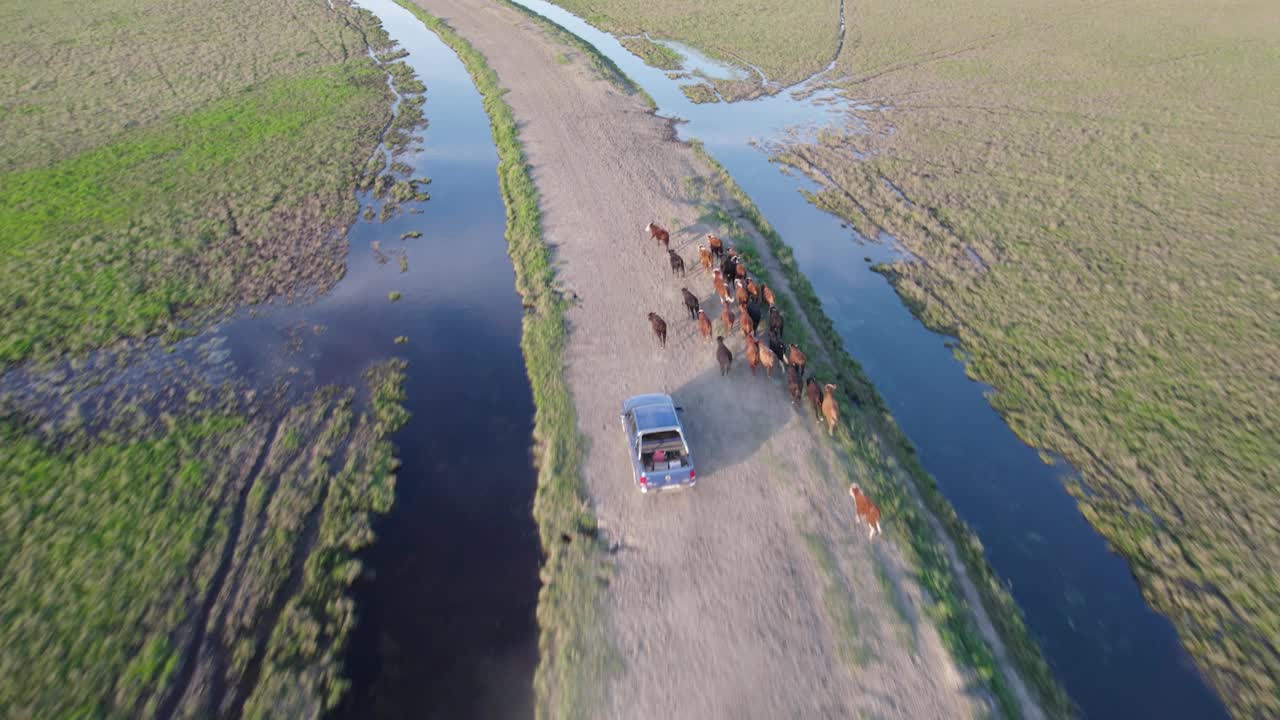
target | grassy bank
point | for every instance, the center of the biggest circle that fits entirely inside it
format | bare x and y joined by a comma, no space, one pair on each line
142,573
789,41
654,54
173,158
875,449
575,654
301,673
700,93
602,65
1087,190
103,538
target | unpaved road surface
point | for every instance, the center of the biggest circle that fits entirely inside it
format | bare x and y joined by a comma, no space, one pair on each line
717,608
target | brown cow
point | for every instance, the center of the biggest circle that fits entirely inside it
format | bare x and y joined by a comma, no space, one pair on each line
677,262
753,354
717,279
775,344
768,295
730,270
704,257
768,360
796,358
723,356
776,323
726,295
690,303
814,391
659,328
726,318
740,292
704,324
717,246
829,409
748,326
793,384
657,232
867,510
753,289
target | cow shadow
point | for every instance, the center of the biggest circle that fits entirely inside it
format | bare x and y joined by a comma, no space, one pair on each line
728,419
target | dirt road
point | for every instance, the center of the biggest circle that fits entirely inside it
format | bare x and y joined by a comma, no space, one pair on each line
721,605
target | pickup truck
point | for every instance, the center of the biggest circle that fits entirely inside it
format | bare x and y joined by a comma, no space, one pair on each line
660,457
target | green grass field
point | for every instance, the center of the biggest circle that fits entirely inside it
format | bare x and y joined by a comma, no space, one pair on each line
1091,191
119,549
99,549
159,159
159,163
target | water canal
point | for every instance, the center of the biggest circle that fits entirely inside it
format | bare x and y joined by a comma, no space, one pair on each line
446,610
1116,656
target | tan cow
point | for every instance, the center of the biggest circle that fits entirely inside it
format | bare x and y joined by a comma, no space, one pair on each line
829,409
867,510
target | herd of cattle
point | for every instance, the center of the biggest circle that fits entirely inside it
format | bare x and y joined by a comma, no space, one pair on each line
744,304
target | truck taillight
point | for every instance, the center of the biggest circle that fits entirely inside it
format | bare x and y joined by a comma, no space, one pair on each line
643,480
693,474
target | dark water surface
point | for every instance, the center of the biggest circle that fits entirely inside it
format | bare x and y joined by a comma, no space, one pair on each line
447,623
1116,657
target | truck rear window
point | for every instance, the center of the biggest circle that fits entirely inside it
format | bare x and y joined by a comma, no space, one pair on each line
661,435
668,441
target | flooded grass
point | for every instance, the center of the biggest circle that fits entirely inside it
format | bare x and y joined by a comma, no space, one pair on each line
655,54
71,518
732,31
129,238
185,546
700,93
125,213
143,569
301,673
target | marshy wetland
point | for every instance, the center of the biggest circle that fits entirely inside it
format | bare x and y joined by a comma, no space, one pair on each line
187,517
1082,194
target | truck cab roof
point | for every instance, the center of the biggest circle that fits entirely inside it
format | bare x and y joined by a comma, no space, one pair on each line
652,412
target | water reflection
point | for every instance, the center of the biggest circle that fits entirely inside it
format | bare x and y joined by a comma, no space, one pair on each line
447,623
